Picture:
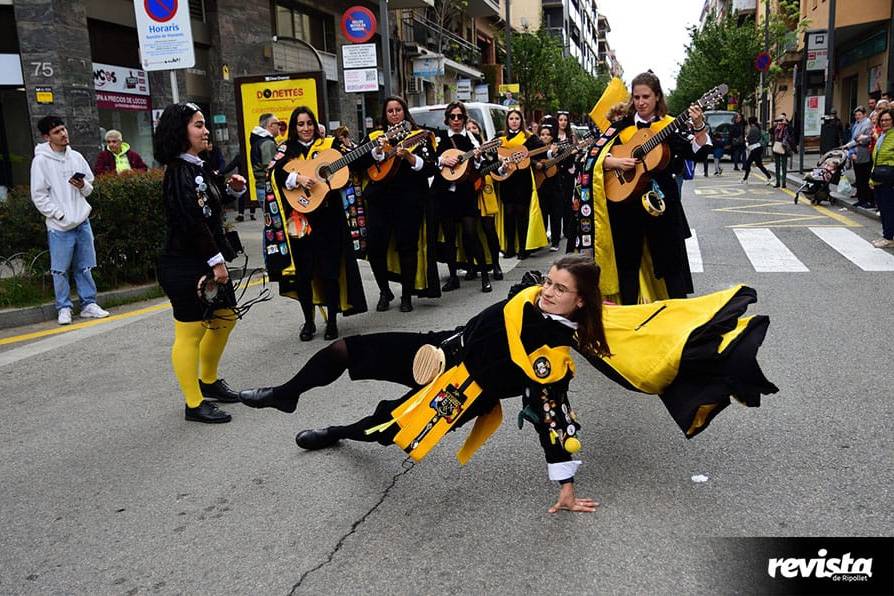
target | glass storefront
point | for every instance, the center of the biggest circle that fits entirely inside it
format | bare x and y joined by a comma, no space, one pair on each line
16,149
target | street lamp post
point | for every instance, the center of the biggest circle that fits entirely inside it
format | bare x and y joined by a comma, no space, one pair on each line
830,55
508,31
386,47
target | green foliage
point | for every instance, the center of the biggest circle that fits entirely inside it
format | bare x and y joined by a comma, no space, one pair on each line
548,80
127,221
722,52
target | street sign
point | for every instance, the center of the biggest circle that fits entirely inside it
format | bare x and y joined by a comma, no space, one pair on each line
511,87
762,62
165,34
361,55
464,89
361,80
358,24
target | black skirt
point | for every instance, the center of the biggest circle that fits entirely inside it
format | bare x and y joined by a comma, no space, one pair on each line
179,278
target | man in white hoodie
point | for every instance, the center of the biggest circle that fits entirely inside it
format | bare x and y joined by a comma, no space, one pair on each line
60,181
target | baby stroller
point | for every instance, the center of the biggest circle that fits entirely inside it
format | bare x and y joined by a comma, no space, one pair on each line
828,169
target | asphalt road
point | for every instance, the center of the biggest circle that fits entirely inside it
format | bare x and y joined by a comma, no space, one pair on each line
106,489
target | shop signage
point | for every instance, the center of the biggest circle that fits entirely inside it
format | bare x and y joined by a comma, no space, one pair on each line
121,79
814,108
482,93
361,80
428,67
122,101
511,87
464,89
358,24
165,34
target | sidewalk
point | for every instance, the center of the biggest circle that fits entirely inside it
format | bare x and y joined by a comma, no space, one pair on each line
838,200
249,232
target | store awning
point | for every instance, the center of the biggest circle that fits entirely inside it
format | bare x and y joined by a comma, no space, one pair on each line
462,69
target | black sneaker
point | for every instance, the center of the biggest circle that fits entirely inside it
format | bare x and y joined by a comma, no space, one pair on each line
218,391
206,412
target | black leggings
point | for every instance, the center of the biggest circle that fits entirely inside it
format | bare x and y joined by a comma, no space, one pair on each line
755,158
516,220
493,240
471,244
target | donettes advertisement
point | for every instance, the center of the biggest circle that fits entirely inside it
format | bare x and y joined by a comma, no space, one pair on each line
274,94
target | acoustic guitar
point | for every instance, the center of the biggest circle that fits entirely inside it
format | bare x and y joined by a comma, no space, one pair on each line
387,168
330,169
651,152
525,161
549,167
460,171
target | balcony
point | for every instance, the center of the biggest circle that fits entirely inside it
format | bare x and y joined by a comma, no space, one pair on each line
482,8
396,4
744,6
421,37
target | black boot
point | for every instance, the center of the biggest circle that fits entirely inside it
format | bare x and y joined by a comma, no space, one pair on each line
406,304
498,273
218,391
385,297
206,412
451,284
307,331
266,397
485,283
311,440
471,275
331,331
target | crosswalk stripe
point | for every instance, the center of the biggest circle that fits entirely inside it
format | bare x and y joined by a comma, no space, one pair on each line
695,254
767,253
857,250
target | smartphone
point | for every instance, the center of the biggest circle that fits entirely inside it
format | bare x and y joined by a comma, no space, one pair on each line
78,176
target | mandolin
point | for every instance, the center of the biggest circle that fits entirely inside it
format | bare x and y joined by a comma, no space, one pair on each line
460,171
549,167
330,169
648,147
387,168
525,161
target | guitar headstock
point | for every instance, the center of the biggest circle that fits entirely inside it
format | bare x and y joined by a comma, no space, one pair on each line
710,99
398,132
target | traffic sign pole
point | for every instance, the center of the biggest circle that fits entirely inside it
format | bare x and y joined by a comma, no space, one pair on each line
386,47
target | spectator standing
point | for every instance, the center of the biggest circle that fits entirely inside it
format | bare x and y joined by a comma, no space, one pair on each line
882,179
861,137
117,157
61,181
262,148
782,148
737,141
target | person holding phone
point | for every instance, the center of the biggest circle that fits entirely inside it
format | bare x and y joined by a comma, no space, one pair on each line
192,268
61,181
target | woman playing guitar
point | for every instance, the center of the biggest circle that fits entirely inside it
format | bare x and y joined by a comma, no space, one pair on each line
457,202
309,247
398,205
567,174
622,250
488,205
517,190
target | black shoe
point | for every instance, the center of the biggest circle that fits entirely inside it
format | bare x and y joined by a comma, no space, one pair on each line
522,256
509,254
331,331
471,275
498,273
485,284
775,186
312,440
384,299
406,304
307,331
240,217
206,412
452,284
252,216
218,391
264,397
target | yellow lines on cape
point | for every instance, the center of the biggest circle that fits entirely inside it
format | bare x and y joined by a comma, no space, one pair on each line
83,325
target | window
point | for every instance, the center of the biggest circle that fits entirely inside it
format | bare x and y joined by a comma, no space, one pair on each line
306,24
197,10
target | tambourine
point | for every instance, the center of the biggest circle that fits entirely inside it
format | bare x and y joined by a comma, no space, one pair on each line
207,289
653,201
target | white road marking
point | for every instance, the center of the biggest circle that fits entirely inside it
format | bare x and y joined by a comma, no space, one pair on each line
767,253
695,254
855,249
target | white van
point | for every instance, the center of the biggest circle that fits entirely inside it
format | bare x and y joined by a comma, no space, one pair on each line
491,116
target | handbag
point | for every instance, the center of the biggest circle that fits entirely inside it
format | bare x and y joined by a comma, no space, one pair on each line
883,174
778,148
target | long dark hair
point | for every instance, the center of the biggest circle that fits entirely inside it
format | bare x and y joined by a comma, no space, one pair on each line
403,103
452,106
569,130
590,330
651,81
293,141
520,115
171,137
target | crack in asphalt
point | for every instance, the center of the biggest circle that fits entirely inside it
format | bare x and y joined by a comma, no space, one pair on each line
354,527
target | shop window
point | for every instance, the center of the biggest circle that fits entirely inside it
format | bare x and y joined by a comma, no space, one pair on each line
9,37
113,44
197,10
299,22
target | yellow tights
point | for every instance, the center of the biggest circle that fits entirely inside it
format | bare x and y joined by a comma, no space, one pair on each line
196,353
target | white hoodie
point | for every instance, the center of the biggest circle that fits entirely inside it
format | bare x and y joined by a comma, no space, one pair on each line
64,206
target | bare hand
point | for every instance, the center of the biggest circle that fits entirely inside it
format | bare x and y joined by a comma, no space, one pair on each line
77,182
221,275
448,161
477,153
696,115
620,163
406,154
553,149
236,182
568,502
305,181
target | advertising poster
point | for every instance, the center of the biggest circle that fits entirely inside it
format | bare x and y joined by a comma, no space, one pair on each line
277,95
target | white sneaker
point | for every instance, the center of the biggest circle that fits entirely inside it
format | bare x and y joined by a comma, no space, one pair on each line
64,317
93,311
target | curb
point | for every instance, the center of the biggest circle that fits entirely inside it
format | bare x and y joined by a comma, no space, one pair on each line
838,200
18,317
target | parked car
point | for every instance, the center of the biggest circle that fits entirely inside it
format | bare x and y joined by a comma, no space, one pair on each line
720,122
491,116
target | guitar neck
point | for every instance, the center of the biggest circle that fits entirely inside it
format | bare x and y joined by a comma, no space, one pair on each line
483,147
561,156
353,156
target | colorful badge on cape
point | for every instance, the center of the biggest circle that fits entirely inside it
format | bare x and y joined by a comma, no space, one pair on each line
542,368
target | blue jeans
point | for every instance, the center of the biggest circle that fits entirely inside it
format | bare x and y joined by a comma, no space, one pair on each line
73,249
